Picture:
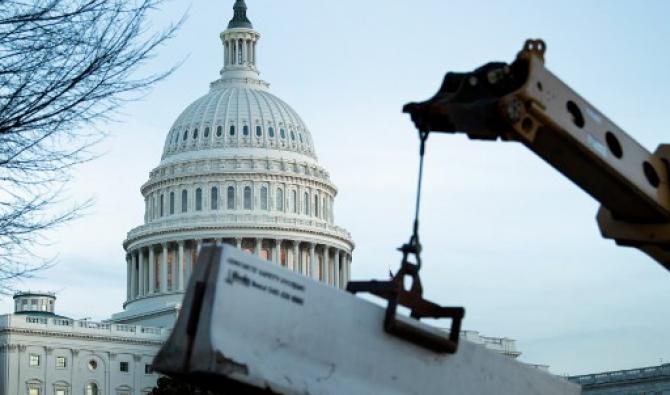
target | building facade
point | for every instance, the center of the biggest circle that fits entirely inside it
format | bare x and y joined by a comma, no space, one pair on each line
42,353
652,380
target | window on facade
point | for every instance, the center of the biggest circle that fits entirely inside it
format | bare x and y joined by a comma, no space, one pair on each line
91,389
198,199
61,391
148,369
259,130
162,204
324,208
300,137
280,199
184,201
232,130
264,198
61,362
195,133
219,131
123,367
92,365
171,203
34,390
231,198
292,135
306,211
176,137
271,132
214,198
185,135
282,133
316,206
295,201
247,198
34,360
245,130
207,132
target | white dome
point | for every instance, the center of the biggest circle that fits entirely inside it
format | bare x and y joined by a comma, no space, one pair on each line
238,167
236,115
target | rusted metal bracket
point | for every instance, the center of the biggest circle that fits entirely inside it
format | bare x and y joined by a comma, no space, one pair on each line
408,329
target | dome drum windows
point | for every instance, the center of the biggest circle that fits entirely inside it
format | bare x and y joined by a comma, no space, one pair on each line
195,133
282,133
231,131
184,201
280,200
185,135
264,198
198,199
231,198
206,134
219,131
245,130
247,198
214,198
171,203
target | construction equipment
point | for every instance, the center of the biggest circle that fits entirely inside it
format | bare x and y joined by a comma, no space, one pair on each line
525,102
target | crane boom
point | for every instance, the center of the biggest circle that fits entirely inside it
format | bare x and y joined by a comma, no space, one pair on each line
525,102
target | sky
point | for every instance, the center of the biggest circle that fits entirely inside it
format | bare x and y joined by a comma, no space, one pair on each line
504,235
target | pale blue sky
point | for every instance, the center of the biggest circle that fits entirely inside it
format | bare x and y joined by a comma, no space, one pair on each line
504,235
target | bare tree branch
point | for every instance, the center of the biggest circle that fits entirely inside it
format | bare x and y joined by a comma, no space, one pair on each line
64,66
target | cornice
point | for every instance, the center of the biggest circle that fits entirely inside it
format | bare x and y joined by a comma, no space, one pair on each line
80,336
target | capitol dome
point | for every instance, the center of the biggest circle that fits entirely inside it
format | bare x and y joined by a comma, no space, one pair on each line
238,167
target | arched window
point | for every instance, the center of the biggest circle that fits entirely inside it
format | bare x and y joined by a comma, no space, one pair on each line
324,209
271,132
198,199
162,204
215,198
247,198
231,198
185,135
207,131
280,200
245,130
171,203
184,201
282,133
219,131
292,136
176,137
306,202
232,130
295,201
91,389
300,137
316,206
264,198
259,130
195,133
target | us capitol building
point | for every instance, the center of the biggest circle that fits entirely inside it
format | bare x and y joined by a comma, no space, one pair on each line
238,167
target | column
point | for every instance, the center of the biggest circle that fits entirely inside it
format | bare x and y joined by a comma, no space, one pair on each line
312,262
164,268
277,252
129,274
238,243
296,258
133,278
348,266
180,265
326,266
152,270
257,250
338,280
141,279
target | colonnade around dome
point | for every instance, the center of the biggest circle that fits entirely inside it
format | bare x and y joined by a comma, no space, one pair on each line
166,267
